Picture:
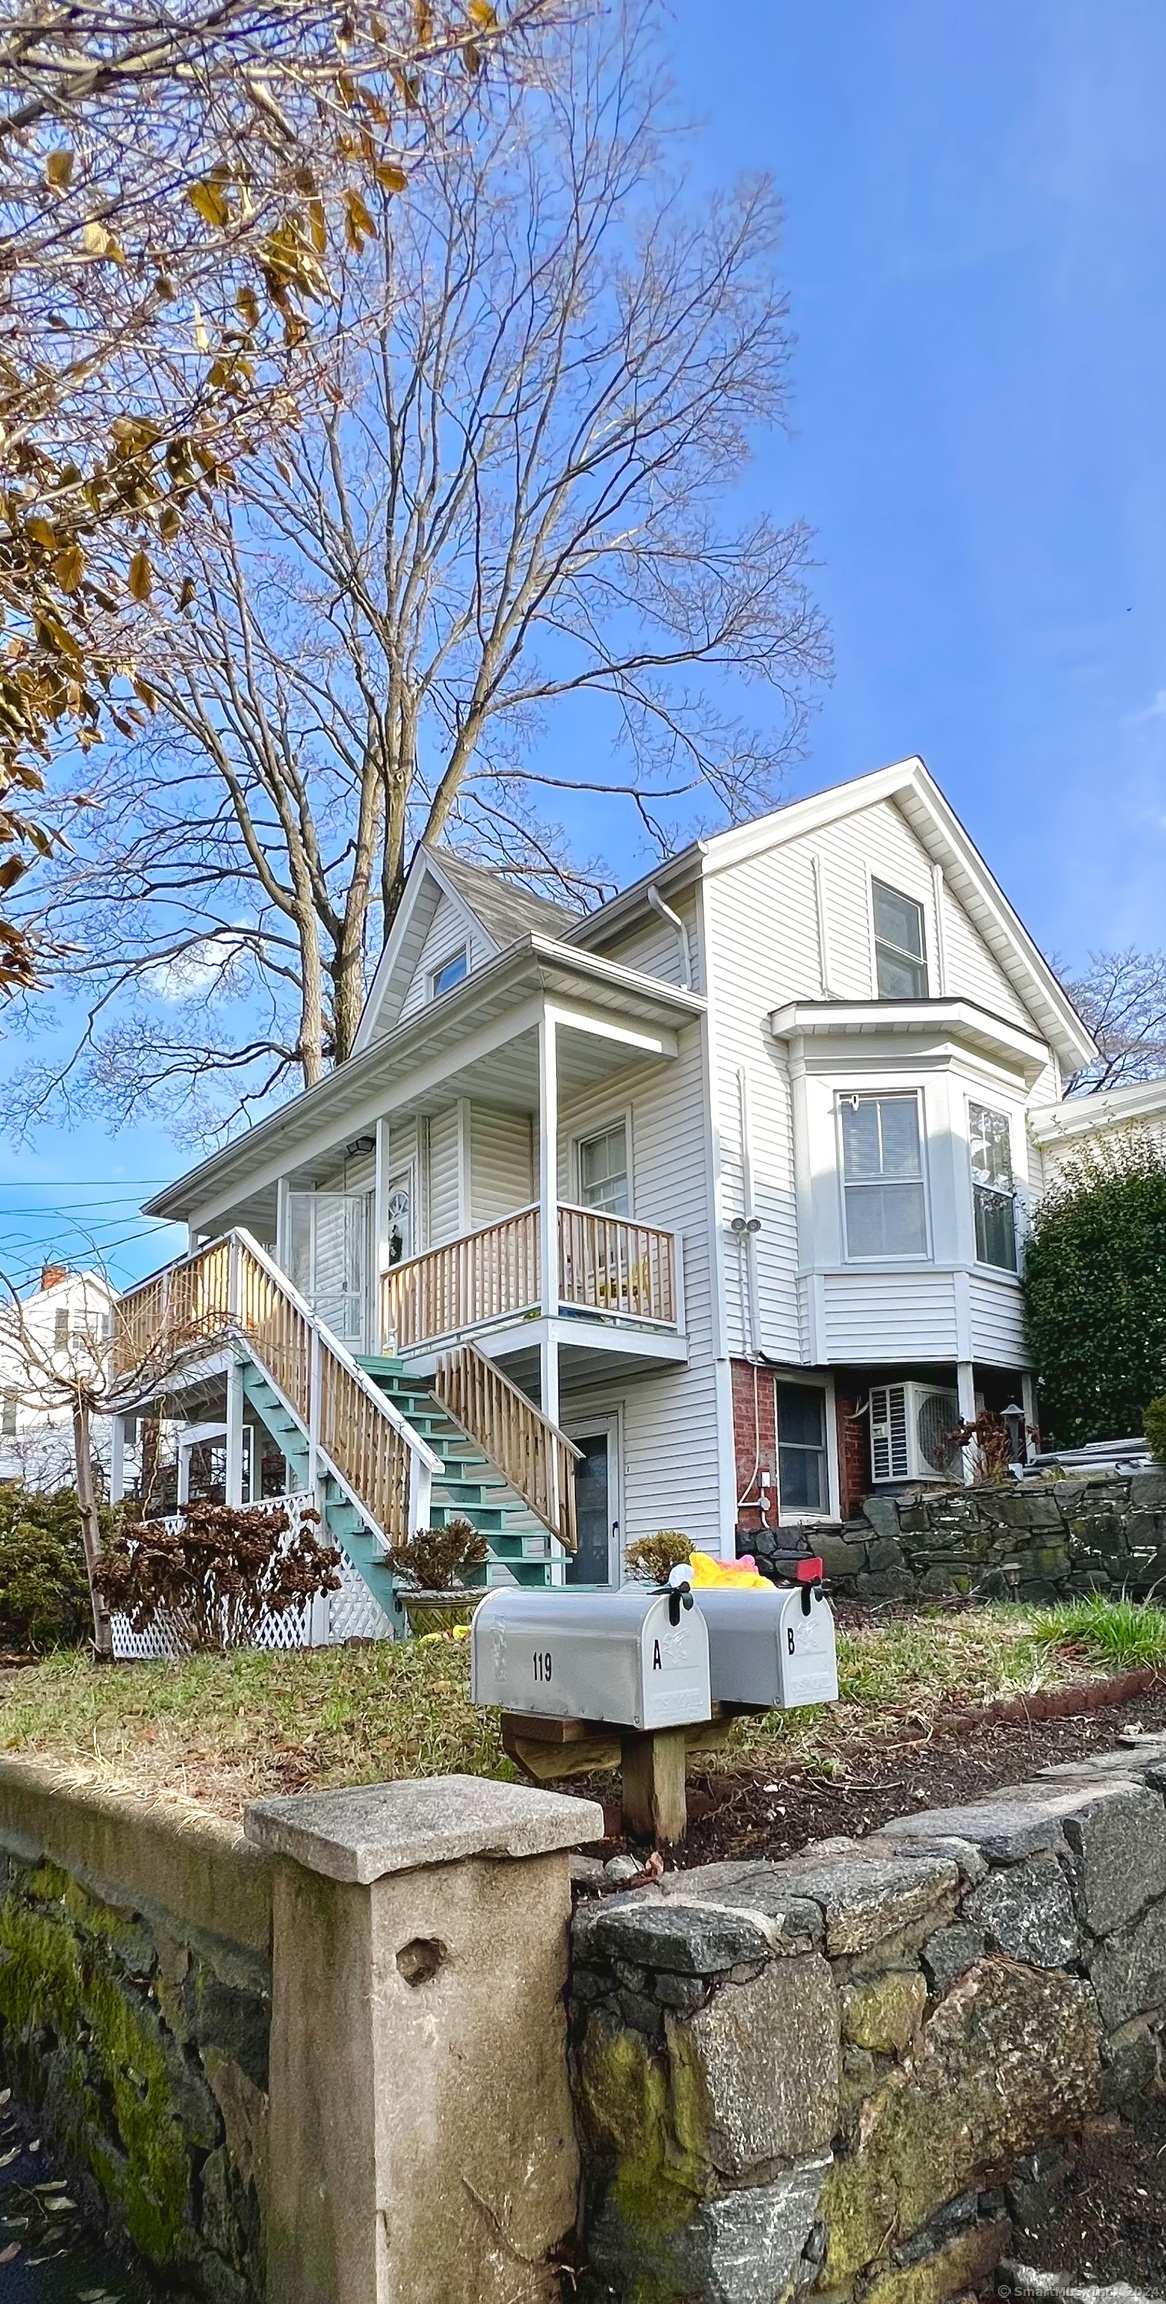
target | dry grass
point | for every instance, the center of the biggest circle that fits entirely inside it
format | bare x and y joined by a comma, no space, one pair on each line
221,1730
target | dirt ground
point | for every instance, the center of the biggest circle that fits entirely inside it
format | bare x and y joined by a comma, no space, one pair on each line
1107,2220
749,1812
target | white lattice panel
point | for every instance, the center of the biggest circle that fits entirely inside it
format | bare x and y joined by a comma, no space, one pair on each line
349,1614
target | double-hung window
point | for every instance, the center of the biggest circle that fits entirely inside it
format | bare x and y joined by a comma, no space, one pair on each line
993,1192
882,1175
603,1171
802,1478
900,952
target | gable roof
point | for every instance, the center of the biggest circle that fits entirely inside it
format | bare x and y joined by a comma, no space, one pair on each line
911,786
502,912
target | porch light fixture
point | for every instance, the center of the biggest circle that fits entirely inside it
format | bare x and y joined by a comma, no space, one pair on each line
360,1144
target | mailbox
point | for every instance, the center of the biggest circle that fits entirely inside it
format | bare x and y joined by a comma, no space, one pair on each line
637,1658
773,1649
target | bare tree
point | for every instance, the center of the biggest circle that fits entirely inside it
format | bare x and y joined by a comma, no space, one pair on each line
177,178
1122,998
516,491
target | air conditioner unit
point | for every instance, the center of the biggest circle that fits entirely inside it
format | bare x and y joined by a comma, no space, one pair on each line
909,1424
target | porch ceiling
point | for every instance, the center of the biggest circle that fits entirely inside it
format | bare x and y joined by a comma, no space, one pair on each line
416,1068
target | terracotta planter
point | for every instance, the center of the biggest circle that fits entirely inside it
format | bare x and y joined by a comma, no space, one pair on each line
439,1611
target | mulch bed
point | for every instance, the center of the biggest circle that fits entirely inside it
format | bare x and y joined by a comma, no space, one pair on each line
1107,2220
750,1811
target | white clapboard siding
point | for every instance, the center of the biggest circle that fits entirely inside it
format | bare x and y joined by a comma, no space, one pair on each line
653,947
892,1315
669,1416
452,928
997,1309
501,1163
443,1198
762,950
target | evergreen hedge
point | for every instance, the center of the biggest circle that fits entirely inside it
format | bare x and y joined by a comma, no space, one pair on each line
1095,1290
44,1593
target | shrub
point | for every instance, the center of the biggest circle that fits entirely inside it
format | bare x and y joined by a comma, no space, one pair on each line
436,1559
1155,1427
653,1558
1095,1290
211,1580
991,1442
44,1593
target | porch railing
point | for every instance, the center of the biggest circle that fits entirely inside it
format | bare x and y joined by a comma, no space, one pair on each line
613,1266
608,1265
492,1274
231,1287
538,1459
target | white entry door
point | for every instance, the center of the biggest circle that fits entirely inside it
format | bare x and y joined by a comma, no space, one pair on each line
329,1246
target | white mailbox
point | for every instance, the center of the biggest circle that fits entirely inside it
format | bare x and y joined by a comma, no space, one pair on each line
774,1649
637,1658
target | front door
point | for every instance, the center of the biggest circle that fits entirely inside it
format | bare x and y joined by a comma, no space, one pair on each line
596,1560
329,1236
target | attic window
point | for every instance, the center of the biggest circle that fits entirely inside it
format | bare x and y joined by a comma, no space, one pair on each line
900,956
450,973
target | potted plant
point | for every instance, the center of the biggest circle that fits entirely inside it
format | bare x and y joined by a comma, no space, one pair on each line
433,1567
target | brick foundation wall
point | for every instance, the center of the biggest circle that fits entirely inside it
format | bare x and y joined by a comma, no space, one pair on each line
754,1443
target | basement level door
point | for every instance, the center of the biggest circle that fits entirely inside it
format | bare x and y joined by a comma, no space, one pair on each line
596,1561
329,1242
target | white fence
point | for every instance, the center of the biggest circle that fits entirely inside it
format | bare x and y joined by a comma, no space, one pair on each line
349,1614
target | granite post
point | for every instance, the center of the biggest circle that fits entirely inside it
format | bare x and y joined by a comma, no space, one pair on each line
421,2137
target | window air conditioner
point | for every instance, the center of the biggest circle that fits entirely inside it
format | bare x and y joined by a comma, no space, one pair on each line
909,1424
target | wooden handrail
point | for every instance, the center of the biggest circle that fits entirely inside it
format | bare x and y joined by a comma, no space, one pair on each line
538,1459
490,1274
233,1287
616,1267
607,1264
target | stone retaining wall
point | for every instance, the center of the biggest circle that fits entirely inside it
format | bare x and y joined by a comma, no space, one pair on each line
849,2072
135,2002
1029,1540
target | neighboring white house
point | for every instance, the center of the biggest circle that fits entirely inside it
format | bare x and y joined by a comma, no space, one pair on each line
61,1329
1062,1132
704,1207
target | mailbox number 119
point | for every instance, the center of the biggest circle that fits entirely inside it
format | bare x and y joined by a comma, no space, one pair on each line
542,1663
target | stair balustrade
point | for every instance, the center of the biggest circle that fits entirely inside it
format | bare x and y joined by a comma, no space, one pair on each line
538,1459
231,1287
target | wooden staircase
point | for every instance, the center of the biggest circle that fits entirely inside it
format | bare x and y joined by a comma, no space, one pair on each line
469,1486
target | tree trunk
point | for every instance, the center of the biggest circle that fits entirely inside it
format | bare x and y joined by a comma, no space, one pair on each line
90,1526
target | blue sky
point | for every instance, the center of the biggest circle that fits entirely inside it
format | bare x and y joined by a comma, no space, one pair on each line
976,259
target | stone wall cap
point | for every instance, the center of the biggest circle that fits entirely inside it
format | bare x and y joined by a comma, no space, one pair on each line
367,1831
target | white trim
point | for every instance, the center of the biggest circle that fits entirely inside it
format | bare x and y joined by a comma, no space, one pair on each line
981,1263
462,953
870,1095
423,868
905,897
822,919
938,897
584,1422
1105,1108
620,1114
818,1380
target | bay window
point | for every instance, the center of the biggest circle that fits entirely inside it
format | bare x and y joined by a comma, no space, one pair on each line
993,1192
882,1172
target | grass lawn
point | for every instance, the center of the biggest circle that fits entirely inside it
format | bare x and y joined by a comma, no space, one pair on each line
220,1730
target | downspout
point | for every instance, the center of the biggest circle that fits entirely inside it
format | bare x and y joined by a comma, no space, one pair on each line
674,921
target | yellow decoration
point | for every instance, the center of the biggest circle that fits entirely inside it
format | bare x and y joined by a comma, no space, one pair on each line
706,1571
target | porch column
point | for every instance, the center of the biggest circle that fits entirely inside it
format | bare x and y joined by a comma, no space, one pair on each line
965,1377
117,1459
234,1476
548,1206
380,1342
1028,1403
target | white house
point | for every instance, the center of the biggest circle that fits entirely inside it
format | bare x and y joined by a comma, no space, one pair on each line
700,1209
1096,1124
60,1330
